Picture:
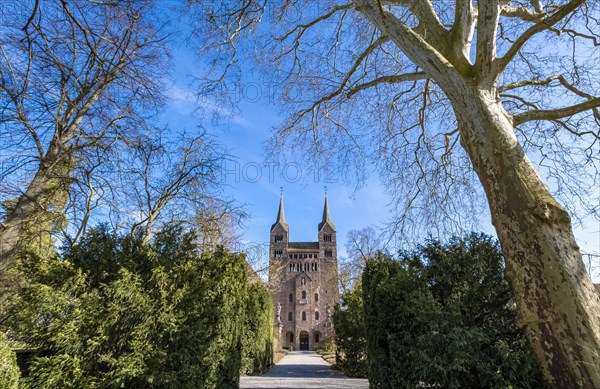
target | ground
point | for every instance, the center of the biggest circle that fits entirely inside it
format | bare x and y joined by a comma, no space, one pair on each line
303,369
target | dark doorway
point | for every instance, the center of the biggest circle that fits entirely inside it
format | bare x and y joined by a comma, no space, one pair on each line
304,341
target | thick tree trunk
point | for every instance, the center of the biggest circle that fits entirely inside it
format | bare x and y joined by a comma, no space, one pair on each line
36,213
559,308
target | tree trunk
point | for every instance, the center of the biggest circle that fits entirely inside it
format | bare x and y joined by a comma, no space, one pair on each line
559,308
37,212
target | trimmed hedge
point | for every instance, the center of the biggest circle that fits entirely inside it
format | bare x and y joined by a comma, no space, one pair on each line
444,316
257,337
117,313
9,371
350,339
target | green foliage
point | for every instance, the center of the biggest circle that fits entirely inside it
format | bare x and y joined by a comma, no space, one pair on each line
444,316
113,312
9,371
257,336
350,338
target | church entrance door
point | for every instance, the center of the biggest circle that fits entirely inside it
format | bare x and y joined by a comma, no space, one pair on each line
304,341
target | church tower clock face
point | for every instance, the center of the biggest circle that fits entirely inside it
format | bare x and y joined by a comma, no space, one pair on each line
303,279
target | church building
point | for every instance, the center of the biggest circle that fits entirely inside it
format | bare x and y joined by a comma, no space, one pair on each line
303,278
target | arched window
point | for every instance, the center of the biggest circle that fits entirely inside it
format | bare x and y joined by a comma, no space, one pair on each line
291,337
290,316
316,315
303,295
303,315
303,281
291,298
316,297
317,337
290,267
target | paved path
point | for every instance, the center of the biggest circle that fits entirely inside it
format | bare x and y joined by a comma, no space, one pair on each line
303,369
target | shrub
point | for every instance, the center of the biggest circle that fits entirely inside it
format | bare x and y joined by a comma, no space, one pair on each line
113,312
257,336
444,316
9,371
348,321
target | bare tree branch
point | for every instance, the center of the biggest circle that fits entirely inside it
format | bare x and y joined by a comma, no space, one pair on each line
464,25
522,13
388,80
542,25
377,43
520,84
487,28
553,114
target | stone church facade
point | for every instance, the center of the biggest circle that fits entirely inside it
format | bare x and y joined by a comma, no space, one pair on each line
303,278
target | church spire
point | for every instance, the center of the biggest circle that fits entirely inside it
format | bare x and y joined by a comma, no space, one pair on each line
326,216
280,215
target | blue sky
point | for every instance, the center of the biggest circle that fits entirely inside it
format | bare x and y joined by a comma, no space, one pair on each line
249,181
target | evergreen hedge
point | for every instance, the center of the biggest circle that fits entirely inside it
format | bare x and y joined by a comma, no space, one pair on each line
350,339
257,337
443,316
113,312
9,371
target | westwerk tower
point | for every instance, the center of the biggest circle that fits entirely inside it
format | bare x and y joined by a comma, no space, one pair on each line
303,277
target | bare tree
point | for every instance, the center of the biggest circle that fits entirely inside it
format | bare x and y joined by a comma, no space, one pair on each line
361,245
168,178
75,76
451,97
217,223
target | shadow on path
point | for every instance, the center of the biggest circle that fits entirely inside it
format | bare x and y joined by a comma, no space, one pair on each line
302,369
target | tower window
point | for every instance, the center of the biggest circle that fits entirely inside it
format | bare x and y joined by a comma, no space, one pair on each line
278,253
291,337
316,337
303,315
316,297
290,316
327,237
316,315
278,238
291,298
316,267
303,281
328,254
303,295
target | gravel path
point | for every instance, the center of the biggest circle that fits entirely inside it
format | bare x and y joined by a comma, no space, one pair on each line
303,369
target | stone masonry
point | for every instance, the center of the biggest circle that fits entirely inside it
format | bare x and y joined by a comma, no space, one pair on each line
303,278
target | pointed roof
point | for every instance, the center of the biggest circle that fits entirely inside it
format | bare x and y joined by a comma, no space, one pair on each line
280,216
326,216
